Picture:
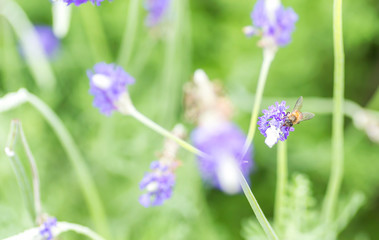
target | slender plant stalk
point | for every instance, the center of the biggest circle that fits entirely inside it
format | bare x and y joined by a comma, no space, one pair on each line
335,180
86,182
128,40
34,169
22,179
94,30
281,186
34,55
157,128
257,210
268,57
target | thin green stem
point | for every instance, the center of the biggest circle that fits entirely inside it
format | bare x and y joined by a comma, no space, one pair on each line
157,128
18,168
128,40
86,182
34,169
281,186
94,30
335,180
34,55
257,210
268,57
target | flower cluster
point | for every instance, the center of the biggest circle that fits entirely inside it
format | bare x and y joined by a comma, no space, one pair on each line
158,184
222,144
156,10
271,124
46,230
107,84
274,22
79,2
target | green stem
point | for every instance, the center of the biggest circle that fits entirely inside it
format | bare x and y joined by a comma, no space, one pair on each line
157,128
18,168
128,39
35,57
86,182
335,180
94,30
268,56
281,185
34,170
257,210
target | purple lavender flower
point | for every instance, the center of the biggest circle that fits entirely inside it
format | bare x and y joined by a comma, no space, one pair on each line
107,83
47,226
271,124
158,183
48,40
274,21
223,144
79,2
156,9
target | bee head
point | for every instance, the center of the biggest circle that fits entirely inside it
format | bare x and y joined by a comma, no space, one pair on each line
288,123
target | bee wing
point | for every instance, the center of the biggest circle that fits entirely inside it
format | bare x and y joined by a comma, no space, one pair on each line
298,104
307,116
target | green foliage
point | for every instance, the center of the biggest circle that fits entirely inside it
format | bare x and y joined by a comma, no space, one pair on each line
117,150
302,215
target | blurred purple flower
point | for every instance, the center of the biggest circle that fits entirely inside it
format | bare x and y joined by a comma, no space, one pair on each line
223,144
271,124
158,183
48,40
47,226
156,10
107,83
277,23
79,2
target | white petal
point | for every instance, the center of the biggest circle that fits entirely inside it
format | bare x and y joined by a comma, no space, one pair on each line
228,176
272,136
101,81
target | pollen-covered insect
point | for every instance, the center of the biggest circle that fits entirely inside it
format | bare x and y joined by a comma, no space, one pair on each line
295,117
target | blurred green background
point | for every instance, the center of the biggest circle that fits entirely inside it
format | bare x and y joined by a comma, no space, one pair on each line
118,150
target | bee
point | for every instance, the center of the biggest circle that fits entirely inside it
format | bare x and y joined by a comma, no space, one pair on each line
295,117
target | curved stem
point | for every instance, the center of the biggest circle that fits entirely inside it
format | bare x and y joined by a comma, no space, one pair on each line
61,227
35,56
268,56
281,185
338,121
86,182
34,169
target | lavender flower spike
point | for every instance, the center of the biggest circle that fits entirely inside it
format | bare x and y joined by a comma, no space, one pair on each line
108,84
47,226
158,184
273,22
271,124
79,2
222,142
156,10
